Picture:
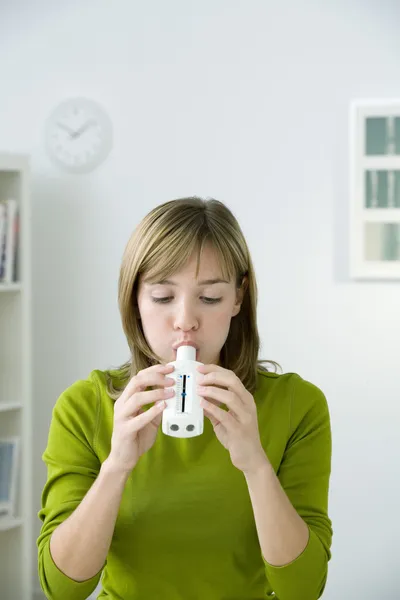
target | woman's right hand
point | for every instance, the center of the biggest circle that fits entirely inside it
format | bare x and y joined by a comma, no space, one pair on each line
135,429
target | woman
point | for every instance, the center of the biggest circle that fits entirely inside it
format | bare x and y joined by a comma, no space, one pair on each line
239,512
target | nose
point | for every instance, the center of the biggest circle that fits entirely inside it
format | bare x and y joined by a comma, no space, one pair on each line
185,317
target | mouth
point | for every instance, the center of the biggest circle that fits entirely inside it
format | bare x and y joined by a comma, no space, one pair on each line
186,344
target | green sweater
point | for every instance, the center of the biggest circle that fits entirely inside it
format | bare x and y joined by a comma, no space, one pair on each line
185,528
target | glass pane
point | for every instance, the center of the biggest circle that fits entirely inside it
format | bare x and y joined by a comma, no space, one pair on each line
382,241
397,134
375,139
6,458
382,135
382,189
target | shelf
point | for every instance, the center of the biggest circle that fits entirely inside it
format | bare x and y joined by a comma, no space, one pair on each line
10,287
376,269
13,162
381,215
6,406
7,523
387,162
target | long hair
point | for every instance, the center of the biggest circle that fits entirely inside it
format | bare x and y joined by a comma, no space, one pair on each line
161,245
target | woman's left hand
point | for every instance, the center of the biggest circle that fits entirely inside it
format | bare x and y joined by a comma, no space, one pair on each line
237,428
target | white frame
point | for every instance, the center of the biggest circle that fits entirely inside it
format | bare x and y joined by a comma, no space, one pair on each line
360,267
8,508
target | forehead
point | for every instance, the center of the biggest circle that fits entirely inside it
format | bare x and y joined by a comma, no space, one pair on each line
209,271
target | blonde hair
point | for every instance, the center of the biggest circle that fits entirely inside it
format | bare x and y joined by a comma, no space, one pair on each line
161,245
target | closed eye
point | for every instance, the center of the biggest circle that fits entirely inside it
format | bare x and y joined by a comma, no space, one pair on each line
205,300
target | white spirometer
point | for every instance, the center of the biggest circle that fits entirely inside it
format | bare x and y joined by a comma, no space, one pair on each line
183,416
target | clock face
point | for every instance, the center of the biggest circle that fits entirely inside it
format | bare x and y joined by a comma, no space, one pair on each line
78,135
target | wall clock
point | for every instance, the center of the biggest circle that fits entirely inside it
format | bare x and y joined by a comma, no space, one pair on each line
78,135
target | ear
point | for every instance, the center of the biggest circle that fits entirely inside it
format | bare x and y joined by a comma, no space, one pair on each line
240,292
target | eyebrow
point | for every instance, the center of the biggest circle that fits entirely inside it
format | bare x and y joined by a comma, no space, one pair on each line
205,282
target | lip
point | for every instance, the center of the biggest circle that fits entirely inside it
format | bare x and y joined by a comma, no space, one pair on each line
186,343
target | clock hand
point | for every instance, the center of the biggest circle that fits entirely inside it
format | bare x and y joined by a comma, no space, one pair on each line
83,128
62,126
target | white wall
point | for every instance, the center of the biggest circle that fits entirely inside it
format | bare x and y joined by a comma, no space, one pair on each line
246,102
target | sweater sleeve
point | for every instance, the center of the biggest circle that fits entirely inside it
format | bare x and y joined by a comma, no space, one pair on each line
72,467
304,474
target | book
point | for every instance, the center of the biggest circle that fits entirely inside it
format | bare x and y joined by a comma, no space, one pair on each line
3,232
9,234
9,458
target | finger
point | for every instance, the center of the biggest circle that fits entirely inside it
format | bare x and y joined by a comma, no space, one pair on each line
221,416
225,379
224,397
155,375
148,416
157,419
213,420
134,403
151,376
208,368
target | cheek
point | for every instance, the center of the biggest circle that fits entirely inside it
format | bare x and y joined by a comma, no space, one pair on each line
150,318
148,309
147,312
224,315
218,324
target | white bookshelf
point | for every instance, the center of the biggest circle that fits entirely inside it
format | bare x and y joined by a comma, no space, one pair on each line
16,542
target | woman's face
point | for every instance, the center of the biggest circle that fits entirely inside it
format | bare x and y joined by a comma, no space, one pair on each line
184,308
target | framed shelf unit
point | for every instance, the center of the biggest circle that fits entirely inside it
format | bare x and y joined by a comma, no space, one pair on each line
375,189
16,541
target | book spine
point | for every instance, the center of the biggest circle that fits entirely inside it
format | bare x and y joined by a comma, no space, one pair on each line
12,211
3,233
